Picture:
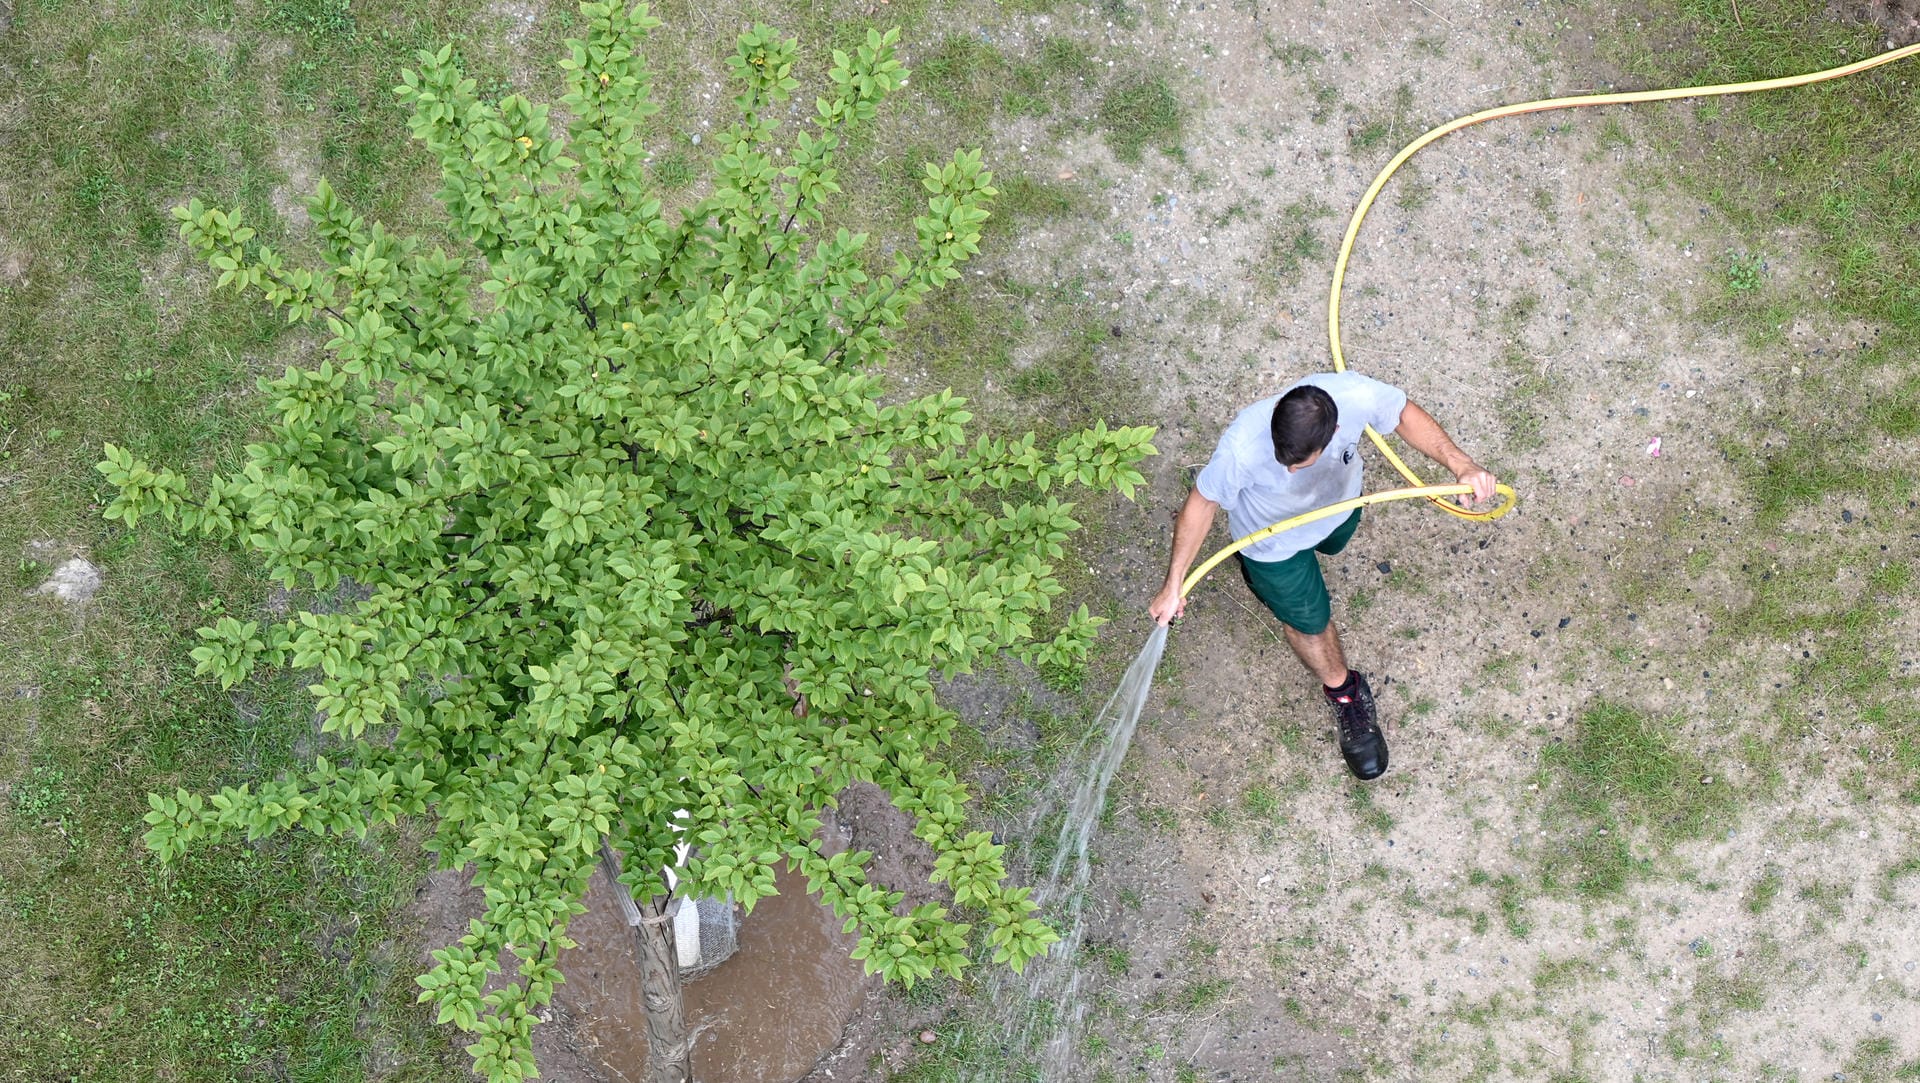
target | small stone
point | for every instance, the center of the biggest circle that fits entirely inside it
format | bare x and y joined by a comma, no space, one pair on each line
1876,1017
1846,515
928,1037
1564,621
74,581
1385,566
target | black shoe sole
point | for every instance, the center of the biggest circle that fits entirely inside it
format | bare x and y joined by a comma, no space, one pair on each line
1369,761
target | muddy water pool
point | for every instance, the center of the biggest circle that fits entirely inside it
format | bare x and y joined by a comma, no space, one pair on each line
763,1016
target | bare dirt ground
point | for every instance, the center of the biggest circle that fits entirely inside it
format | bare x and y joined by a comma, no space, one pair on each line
1525,283
1534,286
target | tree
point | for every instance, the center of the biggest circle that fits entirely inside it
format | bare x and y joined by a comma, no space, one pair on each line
641,531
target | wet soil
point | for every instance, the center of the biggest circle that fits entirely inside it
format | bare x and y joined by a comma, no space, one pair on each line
763,1016
782,1006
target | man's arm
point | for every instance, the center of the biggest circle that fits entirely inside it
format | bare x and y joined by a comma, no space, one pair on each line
1189,533
1418,428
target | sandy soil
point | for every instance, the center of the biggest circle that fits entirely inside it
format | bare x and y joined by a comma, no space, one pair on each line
1536,296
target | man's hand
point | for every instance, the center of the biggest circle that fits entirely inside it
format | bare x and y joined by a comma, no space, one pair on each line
1472,473
1418,428
1167,605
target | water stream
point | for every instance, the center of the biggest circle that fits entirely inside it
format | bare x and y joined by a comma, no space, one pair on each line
1042,1009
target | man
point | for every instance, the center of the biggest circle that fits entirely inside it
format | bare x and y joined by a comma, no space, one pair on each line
1285,456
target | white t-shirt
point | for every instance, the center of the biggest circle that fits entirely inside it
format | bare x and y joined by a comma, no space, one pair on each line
1245,478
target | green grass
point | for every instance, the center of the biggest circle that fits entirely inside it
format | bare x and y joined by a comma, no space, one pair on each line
1261,802
278,960
1385,133
1292,245
1108,956
1025,198
1141,112
1556,975
967,1049
1849,642
1622,772
962,75
1201,994
1765,890
1879,1058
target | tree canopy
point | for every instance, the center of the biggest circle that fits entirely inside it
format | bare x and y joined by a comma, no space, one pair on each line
637,527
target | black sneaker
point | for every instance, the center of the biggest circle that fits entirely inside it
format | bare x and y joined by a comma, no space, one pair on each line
1361,743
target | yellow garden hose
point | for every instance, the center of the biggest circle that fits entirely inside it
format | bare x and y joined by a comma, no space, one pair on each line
1433,493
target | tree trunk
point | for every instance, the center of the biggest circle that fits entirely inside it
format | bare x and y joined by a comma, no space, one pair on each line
669,1052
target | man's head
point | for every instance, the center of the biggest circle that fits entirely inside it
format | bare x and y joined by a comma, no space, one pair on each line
1303,424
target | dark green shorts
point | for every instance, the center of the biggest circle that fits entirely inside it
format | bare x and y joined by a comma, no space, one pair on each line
1294,588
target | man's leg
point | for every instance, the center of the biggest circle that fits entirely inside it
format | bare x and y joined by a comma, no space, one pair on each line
1321,653
1296,592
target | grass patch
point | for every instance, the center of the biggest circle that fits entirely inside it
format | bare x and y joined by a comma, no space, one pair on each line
1622,771
1261,803
1023,198
1879,1058
961,75
1370,814
1765,890
1141,112
279,960
317,19
967,1047
1292,245
1844,643
1557,975
1380,133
